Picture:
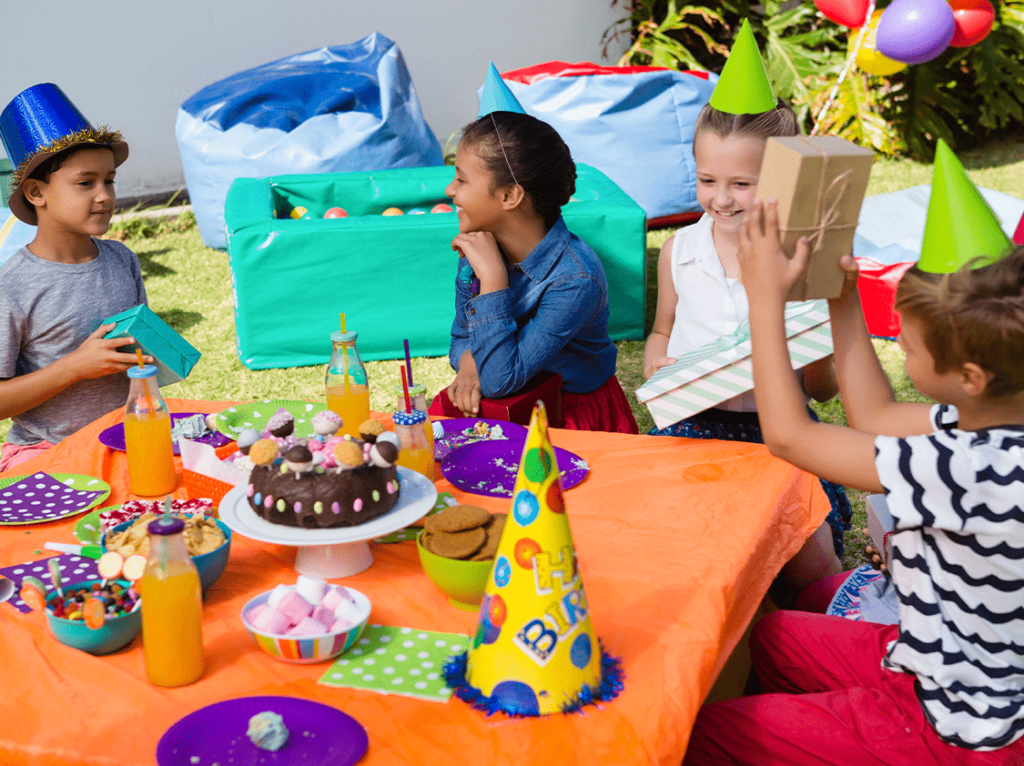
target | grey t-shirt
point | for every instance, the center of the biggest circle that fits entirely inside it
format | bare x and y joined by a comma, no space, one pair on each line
47,310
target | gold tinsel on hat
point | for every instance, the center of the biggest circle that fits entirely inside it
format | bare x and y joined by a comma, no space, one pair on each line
100,135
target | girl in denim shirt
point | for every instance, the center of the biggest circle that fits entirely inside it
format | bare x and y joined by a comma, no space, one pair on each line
530,296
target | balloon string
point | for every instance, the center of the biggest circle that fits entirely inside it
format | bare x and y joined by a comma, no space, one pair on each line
849,62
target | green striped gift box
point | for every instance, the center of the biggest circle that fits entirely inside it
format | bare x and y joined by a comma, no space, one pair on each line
723,369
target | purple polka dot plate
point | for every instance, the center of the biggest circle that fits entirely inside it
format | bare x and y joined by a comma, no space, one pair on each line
41,497
490,467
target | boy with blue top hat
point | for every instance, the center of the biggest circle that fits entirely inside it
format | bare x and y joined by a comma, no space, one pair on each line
57,372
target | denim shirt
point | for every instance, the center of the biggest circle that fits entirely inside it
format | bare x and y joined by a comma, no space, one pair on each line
552,316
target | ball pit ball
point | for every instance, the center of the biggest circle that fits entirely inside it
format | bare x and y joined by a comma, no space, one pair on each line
417,211
299,212
441,207
336,212
393,211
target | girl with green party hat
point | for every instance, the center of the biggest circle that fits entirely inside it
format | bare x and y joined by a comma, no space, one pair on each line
700,298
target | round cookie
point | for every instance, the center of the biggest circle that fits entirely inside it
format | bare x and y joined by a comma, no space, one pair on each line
456,545
493,528
458,518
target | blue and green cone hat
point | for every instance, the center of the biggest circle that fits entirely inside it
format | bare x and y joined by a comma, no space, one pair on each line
40,122
496,96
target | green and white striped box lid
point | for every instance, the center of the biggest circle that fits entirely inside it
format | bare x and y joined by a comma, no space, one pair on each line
721,370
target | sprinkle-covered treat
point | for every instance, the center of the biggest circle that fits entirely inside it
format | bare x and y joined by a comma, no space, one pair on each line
267,731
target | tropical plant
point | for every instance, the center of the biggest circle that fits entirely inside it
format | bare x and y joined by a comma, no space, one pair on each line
963,96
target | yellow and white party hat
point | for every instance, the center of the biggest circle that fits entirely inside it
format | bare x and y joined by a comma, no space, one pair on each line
535,651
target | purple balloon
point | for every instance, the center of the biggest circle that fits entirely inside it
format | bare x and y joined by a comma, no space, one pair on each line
915,31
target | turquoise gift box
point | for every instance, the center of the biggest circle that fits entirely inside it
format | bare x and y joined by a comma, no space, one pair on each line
174,356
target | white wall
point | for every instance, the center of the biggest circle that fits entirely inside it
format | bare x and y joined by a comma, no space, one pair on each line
131,63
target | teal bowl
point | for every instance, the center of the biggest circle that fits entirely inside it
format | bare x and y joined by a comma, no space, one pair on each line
114,634
210,565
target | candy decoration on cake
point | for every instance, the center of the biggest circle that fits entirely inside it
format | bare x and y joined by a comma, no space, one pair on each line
960,225
743,87
535,651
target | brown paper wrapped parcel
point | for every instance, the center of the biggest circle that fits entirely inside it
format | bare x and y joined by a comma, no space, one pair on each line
819,182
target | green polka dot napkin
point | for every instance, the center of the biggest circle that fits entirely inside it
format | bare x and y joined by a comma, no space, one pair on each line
391,660
444,500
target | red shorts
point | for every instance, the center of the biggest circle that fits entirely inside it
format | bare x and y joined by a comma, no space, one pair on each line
833,704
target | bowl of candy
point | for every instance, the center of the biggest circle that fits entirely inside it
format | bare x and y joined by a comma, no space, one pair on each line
308,622
208,539
98,617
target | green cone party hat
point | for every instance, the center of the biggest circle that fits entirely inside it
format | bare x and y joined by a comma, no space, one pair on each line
960,224
743,87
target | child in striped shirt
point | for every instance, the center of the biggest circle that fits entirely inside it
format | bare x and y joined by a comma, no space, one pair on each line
945,685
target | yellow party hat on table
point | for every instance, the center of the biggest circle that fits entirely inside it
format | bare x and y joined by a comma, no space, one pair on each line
960,225
535,651
744,87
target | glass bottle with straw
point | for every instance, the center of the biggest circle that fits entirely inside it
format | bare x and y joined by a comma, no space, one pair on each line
172,620
147,434
348,389
416,454
417,396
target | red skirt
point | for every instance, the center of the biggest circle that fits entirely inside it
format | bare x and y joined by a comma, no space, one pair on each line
603,409
606,408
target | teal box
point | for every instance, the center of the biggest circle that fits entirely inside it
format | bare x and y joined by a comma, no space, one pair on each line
175,357
392,276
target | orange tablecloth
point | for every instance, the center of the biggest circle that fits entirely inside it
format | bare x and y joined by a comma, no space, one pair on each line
677,540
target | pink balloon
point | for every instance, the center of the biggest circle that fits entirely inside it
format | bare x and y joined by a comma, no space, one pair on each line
915,31
974,20
849,13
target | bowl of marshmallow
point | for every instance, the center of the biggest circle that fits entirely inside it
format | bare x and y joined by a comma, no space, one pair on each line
310,621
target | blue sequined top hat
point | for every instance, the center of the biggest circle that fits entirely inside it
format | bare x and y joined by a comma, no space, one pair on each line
496,96
40,122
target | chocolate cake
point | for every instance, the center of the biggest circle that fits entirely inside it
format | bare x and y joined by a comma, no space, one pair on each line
321,498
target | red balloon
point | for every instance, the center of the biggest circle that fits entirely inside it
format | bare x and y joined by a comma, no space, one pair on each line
849,13
974,20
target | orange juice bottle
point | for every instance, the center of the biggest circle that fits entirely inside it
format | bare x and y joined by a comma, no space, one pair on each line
418,398
147,436
416,454
348,389
172,607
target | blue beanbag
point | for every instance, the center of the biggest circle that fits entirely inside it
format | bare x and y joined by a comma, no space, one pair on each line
344,108
635,127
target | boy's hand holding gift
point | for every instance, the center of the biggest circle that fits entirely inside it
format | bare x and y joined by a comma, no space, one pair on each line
765,271
97,357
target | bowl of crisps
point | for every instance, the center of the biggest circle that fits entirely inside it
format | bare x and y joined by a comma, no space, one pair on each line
114,634
209,549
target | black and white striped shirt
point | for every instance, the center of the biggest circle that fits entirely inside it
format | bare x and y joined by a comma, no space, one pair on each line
957,501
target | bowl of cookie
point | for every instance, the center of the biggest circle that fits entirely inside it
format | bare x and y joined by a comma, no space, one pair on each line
457,548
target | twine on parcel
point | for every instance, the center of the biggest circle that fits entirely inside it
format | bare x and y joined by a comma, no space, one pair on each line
825,219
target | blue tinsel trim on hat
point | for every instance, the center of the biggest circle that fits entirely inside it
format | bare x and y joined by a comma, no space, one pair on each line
611,684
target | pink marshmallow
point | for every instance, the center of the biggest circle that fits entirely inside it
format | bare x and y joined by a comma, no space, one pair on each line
255,612
324,616
308,627
340,626
270,621
294,607
332,598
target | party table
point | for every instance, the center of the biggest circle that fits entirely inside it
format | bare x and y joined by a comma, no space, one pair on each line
677,541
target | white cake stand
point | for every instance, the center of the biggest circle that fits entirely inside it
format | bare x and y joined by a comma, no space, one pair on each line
339,551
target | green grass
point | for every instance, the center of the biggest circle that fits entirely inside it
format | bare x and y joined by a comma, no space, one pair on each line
189,286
